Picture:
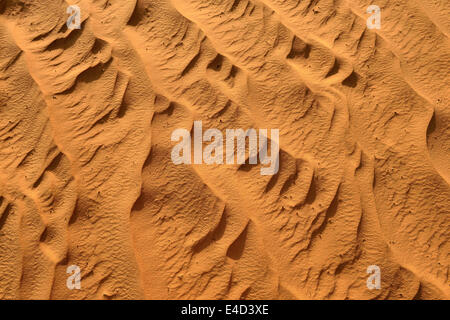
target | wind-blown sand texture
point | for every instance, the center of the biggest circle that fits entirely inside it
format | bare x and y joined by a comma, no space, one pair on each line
86,176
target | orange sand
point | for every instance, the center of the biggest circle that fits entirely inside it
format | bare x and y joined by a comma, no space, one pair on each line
86,176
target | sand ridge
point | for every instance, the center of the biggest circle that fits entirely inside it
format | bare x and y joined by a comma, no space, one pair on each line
86,176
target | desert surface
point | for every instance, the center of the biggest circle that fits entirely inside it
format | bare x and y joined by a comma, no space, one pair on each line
93,206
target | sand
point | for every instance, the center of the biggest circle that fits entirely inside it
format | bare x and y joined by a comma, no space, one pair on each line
87,180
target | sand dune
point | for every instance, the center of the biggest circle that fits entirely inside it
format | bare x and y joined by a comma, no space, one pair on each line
87,179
